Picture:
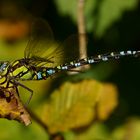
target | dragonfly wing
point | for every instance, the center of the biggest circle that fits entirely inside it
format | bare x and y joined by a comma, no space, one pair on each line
43,50
40,40
64,52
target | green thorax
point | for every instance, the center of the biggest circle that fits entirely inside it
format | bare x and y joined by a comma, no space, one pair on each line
19,70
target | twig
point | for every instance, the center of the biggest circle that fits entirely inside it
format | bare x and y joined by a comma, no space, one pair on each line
82,31
38,120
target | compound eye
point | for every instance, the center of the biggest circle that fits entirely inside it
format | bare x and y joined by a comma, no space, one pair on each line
3,67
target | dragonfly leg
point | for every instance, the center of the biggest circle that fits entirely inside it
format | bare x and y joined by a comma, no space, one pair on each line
23,86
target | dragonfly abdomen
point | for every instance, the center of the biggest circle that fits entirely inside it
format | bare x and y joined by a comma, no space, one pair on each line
43,73
97,59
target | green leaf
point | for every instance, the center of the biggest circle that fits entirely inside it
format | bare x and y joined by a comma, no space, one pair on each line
96,131
111,11
99,15
129,130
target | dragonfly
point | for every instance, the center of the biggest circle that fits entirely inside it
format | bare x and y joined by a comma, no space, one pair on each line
43,59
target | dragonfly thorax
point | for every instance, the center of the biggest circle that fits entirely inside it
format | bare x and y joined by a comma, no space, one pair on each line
20,70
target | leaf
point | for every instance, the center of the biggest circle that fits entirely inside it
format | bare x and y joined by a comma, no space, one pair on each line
75,105
67,9
99,15
11,106
108,101
111,11
96,131
129,130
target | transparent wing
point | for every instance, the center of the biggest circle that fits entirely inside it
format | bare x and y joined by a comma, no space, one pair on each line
43,50
40,42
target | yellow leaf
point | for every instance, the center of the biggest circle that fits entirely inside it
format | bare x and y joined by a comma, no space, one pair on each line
73,105
108,101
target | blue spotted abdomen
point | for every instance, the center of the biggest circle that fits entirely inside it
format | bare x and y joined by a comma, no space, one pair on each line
44,73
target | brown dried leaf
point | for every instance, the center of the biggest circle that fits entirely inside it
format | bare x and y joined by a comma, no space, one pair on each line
11,106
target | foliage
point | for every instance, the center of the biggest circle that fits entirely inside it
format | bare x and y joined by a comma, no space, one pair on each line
76,105
100,15
81,109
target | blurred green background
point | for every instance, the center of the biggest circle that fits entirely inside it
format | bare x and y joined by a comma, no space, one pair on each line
111,25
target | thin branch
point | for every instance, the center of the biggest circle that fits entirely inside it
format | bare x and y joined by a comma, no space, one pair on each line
82,30
38,120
